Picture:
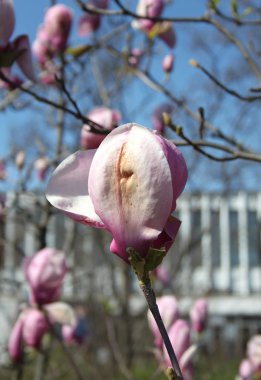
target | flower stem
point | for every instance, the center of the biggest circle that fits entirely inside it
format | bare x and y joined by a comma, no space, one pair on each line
149,294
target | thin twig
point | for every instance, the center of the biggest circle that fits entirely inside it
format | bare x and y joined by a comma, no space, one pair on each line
223,86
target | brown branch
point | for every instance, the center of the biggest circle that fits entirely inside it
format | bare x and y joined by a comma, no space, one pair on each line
222,86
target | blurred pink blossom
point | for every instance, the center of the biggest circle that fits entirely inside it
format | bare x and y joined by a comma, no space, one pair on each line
90,22
41,165
150,8
29,329
123,188
179,335
135,57
107,118
18,50
198,315
246,370
254,351
169,311
157,117
45,272
20,159
167,63
162,274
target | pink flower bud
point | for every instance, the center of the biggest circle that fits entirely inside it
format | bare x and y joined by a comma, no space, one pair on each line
88,24
198,315
246,370
168,308
57,22
179,335
150,8
107,118
162,274
254,351
167,63
124,194
29,329
7,21
19,159
2,170
135,57
41,165
157,117
45,272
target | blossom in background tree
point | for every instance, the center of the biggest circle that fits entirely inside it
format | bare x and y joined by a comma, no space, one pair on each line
250,367
167,63
198,315
41,165
90,22
29,330
169,311
149,8
107,118
45,272
179,335
20,159
134,179
157,117
18,50
135,57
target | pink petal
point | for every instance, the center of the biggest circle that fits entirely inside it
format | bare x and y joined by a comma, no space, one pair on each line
34,327
131,187
67,189
179,335
7,20
88,23
169,311
24,60
168,235
15,341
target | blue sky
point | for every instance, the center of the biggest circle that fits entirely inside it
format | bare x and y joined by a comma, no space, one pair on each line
29,17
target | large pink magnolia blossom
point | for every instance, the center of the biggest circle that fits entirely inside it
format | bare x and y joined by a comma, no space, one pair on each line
169,311
107,118
17,50
45,272
129,186
198,315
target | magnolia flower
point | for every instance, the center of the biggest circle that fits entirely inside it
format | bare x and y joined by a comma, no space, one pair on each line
129,186
41,165
167,34
157,117
198,315
179,335
19,159
90,22
169,311
45,272
150,8
246,370
29,329
2,170
107,118
135,56
254,351
162,274
33,324
167,63
17,50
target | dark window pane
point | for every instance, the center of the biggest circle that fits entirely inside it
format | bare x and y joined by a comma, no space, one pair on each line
253,239
215,238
